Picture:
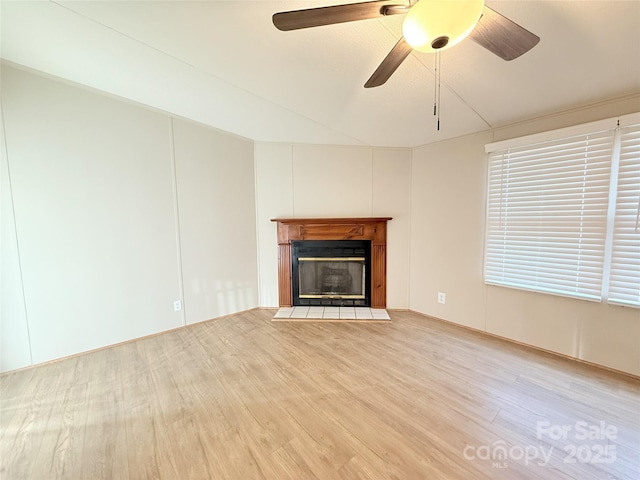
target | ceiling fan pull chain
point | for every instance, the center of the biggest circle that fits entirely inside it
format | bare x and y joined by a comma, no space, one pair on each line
435,84
438,58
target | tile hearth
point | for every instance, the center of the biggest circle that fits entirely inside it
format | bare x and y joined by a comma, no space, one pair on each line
332,313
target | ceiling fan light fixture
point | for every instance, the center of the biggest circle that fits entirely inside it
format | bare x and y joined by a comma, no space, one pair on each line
429,21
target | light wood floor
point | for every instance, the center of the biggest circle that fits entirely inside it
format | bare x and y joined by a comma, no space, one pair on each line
246,398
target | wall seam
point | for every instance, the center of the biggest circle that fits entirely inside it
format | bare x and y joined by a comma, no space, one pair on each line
372,179
15,229
484,233
293,183
410,222
176,217
256,203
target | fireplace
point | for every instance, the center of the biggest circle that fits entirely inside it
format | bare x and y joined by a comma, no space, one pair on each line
331,272
338,274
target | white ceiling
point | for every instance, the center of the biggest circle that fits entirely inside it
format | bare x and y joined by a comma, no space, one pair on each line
224,64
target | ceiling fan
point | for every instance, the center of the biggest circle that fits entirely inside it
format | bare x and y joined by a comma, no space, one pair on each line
429,26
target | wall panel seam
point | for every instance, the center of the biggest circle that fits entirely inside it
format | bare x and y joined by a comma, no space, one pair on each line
15,229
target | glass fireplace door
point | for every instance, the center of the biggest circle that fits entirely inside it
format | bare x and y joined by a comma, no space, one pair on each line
332,277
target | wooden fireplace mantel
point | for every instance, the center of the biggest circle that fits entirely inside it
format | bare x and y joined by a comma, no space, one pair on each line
367,228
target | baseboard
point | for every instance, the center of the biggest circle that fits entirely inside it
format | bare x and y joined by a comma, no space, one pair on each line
124,342
529,346
448,322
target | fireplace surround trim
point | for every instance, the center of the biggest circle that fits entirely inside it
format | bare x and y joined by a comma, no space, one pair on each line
360,228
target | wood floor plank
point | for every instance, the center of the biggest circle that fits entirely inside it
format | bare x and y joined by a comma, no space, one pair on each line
231,457
291,465
243,397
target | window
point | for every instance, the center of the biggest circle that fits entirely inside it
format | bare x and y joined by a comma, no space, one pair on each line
562,212
623,284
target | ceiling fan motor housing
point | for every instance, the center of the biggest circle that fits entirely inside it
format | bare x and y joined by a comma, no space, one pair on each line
440,42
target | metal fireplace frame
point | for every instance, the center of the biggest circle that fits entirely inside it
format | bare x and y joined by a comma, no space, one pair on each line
332,251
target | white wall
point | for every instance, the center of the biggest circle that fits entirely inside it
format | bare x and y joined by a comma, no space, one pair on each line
119,210
447,235
391,179
95,228
333,181
15,350
447,226
216,205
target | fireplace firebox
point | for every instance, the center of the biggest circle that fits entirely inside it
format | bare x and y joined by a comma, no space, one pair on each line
331,272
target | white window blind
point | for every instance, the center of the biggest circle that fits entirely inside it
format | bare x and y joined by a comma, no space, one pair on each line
547,215
563,212
624,276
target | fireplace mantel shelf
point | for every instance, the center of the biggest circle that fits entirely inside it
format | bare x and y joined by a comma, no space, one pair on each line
360,228
333,220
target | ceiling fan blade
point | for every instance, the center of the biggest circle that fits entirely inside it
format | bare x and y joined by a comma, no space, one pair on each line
502,36
315,17
390,63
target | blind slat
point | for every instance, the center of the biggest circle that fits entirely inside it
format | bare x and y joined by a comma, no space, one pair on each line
547,213
547,216
624,278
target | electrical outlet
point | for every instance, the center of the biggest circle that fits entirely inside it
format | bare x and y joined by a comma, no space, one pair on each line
177,306
442,297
